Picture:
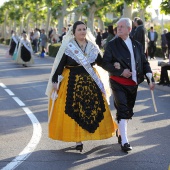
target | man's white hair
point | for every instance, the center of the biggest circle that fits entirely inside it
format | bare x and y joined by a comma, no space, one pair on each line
126,20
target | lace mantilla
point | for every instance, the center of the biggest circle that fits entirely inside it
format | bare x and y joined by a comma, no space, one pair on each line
91,51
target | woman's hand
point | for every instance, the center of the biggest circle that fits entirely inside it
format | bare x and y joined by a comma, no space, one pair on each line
55,86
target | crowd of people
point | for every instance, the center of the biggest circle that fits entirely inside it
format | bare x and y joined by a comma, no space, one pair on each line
148,39
24,46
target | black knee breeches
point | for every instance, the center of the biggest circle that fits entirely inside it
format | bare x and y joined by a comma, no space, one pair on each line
124,99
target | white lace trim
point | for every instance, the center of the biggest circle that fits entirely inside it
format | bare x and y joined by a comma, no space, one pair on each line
91,52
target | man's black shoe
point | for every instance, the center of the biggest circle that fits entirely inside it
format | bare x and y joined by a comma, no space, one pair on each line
126,147
160,83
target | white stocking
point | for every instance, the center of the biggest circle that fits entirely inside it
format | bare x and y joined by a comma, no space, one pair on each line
123,130
78,143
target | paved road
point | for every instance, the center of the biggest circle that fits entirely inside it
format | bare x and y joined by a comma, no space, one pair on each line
24,142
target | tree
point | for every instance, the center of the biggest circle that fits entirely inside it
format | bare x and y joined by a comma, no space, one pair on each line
165,7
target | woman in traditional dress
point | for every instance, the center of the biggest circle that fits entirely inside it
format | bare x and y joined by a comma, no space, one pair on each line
13,43
79,111
25,51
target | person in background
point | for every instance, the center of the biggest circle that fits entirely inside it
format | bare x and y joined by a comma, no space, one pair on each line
80,112
43,42
164,78
110,35
54,36
25,52
99,39
164,44
13,43
105,34
126,63
168,41
68,26
152,36
36,39
49,34
63,33
139,34
134,25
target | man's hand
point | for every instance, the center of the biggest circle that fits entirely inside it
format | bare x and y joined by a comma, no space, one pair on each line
152,86
126,73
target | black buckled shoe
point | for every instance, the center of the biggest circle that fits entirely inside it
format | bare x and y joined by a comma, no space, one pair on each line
126,147
79,147
118,137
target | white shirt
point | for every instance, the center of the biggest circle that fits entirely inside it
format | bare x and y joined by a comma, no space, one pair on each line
128,42
152,35
36,35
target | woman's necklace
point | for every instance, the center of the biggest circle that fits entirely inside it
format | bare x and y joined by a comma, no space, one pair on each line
82,47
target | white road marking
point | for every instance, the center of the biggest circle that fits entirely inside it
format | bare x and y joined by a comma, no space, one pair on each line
20,103
9,92
37,133
2,85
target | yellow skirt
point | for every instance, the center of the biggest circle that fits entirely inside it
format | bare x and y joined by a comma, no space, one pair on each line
64,128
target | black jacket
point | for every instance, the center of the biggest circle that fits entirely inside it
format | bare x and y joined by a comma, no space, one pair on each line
117,51
139,35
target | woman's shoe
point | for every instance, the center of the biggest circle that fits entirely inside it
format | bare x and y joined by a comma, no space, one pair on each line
79,147
126,147
118,137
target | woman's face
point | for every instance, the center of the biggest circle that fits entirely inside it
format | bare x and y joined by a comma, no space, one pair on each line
80,32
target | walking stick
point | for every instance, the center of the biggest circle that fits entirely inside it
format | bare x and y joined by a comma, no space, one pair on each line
149,75
54,96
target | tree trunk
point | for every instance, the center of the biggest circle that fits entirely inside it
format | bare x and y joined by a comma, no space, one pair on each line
61,17
100,24
127,11
60,24
21,25
5,21
48,21
77,16
142,15
90,20
28,22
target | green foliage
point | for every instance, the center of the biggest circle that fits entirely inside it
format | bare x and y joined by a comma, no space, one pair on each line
1,40
147,15
7,41
108,22
119,8
165,6
167,26
53,49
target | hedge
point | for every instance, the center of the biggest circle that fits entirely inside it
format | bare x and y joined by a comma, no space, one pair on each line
158,52
53,49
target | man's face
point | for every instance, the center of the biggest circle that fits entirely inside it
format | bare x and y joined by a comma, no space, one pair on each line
123,30
135,23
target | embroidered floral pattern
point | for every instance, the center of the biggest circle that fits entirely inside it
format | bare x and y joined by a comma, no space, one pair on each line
84,101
